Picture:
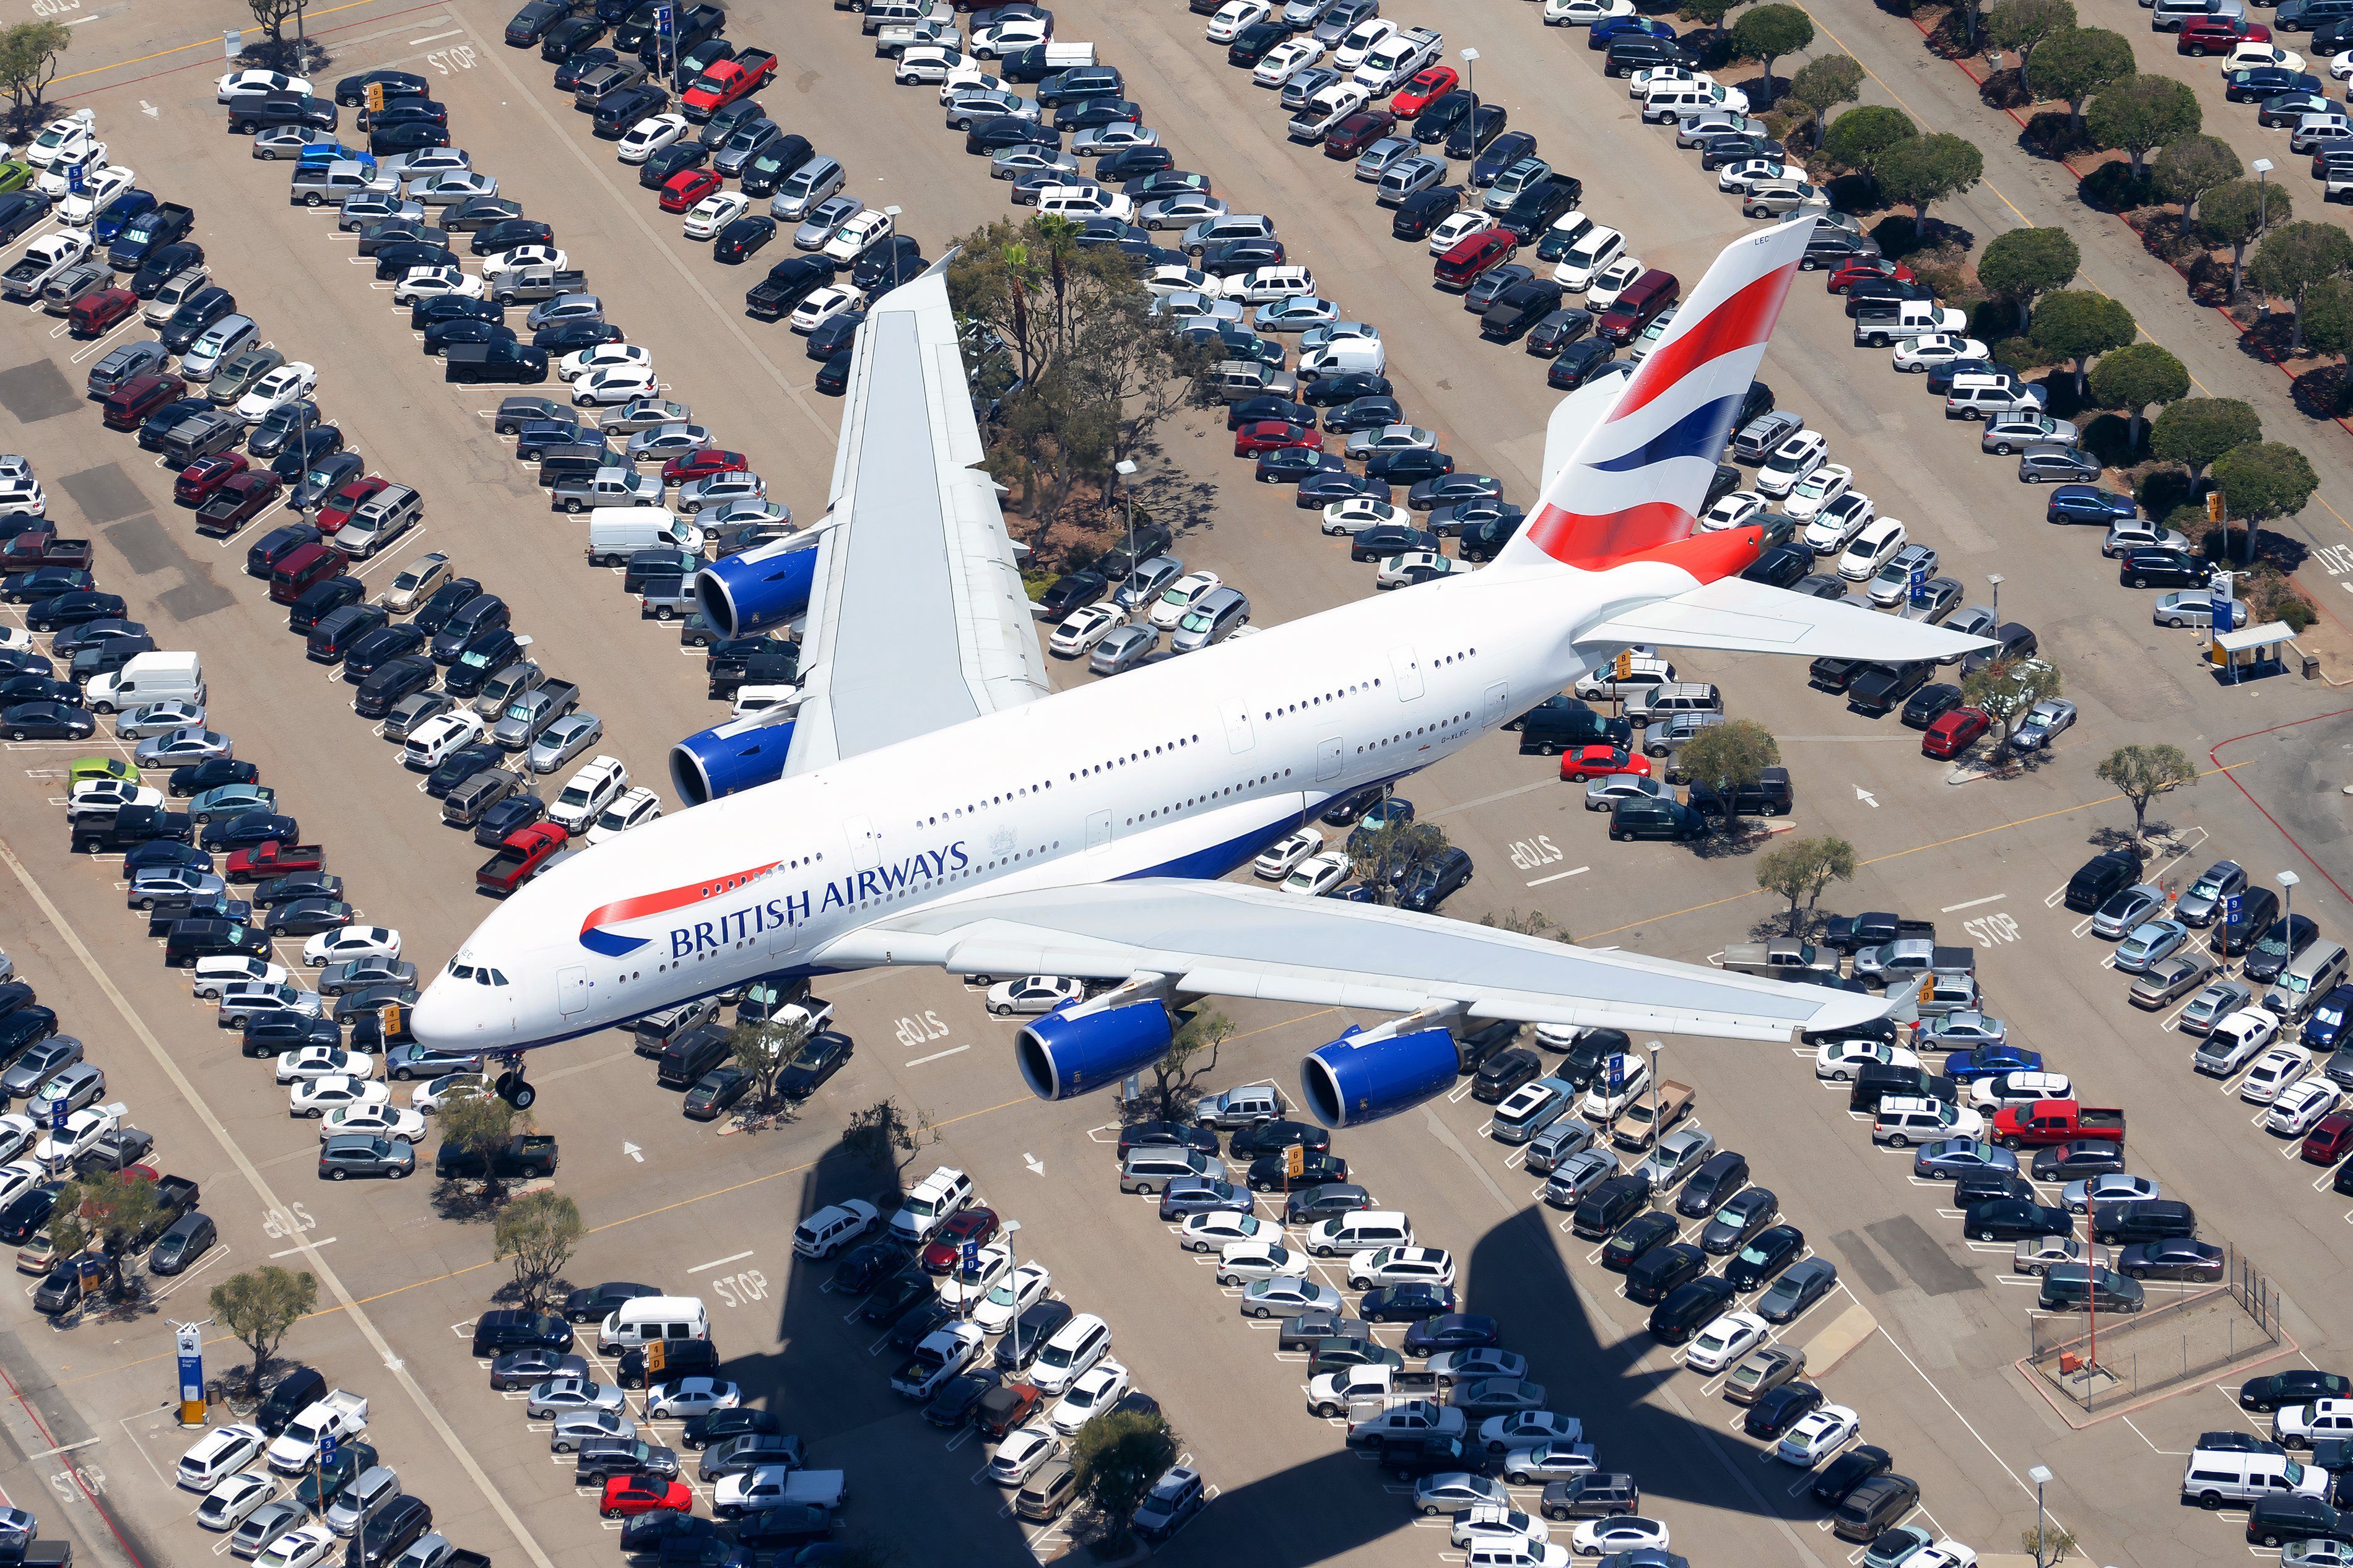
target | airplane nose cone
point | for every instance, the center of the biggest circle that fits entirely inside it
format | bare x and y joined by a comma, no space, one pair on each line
439,1019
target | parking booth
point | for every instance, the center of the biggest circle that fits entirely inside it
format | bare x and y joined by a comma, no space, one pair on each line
2257,650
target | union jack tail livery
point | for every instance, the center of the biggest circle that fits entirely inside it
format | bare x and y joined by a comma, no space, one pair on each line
1632,487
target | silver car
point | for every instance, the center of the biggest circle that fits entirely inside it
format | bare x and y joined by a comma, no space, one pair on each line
158,718
2150,942
2203,902
645,414
744,146
667,441
1558,1143
717,491
1097,140
413,713
159,883
1307,84
565,739
72,1087
2126,910
2042,723
181,746
2048,462
2214,1004
1180,211
1409,176
1381,156
577,1426
1576,1177
2141,534
38,1066
564,307
1122,649
449,187
377,206
1892,585
968,106
1015,162
829,216
2007,433
1679,1154
2183,607
1144,584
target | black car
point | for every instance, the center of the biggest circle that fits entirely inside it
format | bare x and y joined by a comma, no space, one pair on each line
896,1298
1029,1334
1356,413
1383,540
211,773
2182,1258
2071,1162
2273,1521
1690,1307
1576,364
1425,210
1602,1210
1404,1303
2016,1219
1165,1134
595,1303
781,1529
1766,1255
389,1532
1635,1239
1836,1479
1780,1409
953,1405
1474,132
1268,1174
819,1057
1929,703
1440,115
297,885
1273,1137
2158,568
1660,1270
1502,1073
867,1264
719,1425
1071,591
2297,1385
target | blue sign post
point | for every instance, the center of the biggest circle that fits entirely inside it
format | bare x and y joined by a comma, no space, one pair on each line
326,1449
189,1340
1616,1073
1920,585
76,178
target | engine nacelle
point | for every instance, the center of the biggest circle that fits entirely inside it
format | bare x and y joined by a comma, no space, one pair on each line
741,754
759,588
1361,1076
1073,1052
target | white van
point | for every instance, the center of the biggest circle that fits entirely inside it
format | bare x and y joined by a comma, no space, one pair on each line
1080,203
935,1197
1979,396
156,677
829,1230
1061,57
1355,1231
1345,354
1076,1346
652,1317
617,532
2216,1477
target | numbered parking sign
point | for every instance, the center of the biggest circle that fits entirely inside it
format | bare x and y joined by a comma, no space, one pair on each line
1617,1072
971,1257
662,20
77,177
58,1113
2230,909
326,1449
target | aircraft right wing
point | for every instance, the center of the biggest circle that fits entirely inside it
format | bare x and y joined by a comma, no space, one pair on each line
1734,616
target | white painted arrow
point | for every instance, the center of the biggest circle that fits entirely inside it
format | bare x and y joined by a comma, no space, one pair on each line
1863,794
1037,1168
633,1152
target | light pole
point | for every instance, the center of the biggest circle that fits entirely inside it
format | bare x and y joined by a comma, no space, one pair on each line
2262,167
1125,469
1995,579
2041,1476
2287,881
1655,1048
1471,85
1011,1229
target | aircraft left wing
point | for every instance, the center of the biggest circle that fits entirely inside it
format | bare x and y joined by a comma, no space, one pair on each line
1229,940
917,617
1733,615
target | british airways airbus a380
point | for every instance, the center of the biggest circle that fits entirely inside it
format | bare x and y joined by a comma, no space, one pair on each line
931,802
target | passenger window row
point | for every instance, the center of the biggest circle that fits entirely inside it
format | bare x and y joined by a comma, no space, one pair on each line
975,809
1139,757
1318,701
1448,722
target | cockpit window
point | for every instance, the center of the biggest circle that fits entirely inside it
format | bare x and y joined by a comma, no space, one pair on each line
460,971
482,977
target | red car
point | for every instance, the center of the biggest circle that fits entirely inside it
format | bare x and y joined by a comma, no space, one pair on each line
686,188
200,478
1586,763
1466,258
240,498
2330,1137
966,1224
2202,36
94,313
1358,132
344,503
135,399
1855,272
1954,732
1417,94
1272,435
625,1496
701,463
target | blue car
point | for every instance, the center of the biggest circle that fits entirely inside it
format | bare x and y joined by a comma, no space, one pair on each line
1599,35
2325,1030
1990,1061
110,220
1948,1159
2089,503
1202,1195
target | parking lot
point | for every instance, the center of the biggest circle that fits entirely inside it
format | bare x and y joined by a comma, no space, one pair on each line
1925,1328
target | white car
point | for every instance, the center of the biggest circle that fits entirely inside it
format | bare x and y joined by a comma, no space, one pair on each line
2250,52
1400,571
2340,66
824,305
685,1398
1362,40
1318,874
1737,510
1240,1262
1282,858
429,1097
100,186
851,239
605,387
1020,1455
634,809
2274,1070
1642,83
2297,1107
1583,13
1817,490
1098,1388
1818,1435
301,1548
307,1062
994,1263
81,1130
1010,36
1286,60
603,356
2237,1039
650,135
1010,1297
1991,1094
1218,1228
1722,1342
1611,280
1501,1534
288,382
68,139
337,1091
1929,350
347,942
248,85
1624,1533
714,212
524,256
212,975
1034,994
1170,278
234,1499
1084,627
93,797
380,1121
435,283
1355,513
1873,547
217,1455
1180,597
1233,16
1287,1295
1400,1266
1451,232
587,793
1746,172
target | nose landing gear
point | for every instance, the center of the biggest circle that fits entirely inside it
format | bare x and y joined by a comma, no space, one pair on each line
510,1085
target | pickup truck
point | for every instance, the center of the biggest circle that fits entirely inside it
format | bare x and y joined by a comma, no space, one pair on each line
339,1415
165,913
31,551
939,1357
1393,62
43,259
725,81
2047,1122
1880,322
149,233
1338,1393
614,486
1415,1419
1635,1127
116,1150
1901,962
893,39
1874,928
273,858
538,283
526,1154
129,827
520,855
1784,960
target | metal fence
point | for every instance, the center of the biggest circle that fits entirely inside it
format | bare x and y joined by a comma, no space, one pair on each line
2101,1361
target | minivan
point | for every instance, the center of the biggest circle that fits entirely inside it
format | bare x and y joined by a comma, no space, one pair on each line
309,565
2072,1287
1150,1169
1216,615
1530,1108
1075,1347
686,1058
652,1317
804,187
357,1502
228,336
2216,1476
1046,1494
1358,1231
2316,971
1656,819
332,638
464,806
2142,1219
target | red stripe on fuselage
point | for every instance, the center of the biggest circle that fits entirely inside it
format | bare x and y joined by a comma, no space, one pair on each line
1742,322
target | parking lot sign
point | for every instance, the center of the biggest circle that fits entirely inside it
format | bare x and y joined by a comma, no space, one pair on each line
2230,909
326,1449
57,1114
77,177
971,1255
1294,1162
1617,1072
375,98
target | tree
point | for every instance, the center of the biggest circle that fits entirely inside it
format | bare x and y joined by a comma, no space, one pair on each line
2047,1543
1861,137
1927,169
2076,323
1802,869
1822,84
1706,13
29,52
2021,26
2193,166
1116,1457
2141,773
1527,922
2328,317
2237,212
2134,376
881,1137
761,1051
1386,857
2294,257
1767,33
2022,264
260,1306
112,1211
2261,480
2137,115
1177,1076
2005,689
2071,66
482,1124
537,1232
2194,431
275,14
1728,756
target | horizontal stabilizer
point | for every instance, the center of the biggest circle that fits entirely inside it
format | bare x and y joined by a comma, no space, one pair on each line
1733,615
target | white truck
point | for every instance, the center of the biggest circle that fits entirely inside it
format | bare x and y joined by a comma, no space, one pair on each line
1396,59
943,1353
341,1414
1339,1392
43,259
1882,322
1413,1418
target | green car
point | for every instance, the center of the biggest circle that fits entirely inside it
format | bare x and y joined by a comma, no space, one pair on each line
322,1482
226,801
99,768
15,175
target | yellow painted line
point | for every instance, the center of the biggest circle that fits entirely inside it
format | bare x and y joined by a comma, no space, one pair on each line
207,42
